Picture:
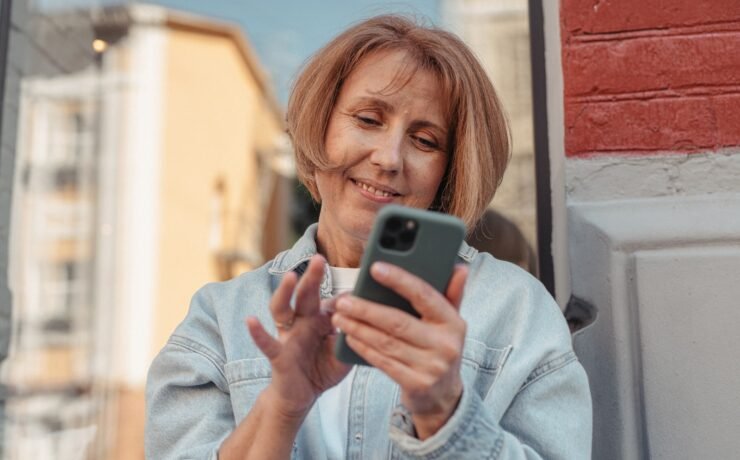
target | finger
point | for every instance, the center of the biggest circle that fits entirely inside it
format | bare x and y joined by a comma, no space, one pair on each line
329,306
391,321
264,341
400,373
457,285
308,299
280,302
426,300
394,347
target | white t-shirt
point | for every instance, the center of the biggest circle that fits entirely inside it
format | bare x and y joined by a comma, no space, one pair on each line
334,403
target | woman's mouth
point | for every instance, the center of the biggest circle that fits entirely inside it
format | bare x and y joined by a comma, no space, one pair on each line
375,190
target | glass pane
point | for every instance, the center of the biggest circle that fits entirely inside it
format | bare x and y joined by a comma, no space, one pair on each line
151,159
498,32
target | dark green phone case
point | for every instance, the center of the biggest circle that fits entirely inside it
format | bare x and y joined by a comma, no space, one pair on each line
431,257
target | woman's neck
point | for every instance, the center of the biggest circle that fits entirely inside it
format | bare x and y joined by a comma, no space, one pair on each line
339,248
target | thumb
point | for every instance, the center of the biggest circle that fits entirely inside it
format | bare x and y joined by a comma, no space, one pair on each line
456,286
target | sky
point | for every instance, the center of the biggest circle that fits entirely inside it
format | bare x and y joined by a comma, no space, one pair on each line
283,32
286,32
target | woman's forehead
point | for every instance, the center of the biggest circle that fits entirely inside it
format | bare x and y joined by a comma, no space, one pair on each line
395,74
396,66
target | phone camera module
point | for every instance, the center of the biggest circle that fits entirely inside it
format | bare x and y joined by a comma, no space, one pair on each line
398,234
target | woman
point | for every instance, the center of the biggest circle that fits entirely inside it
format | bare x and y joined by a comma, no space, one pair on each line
388,112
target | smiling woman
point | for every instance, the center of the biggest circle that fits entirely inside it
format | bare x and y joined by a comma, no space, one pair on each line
462,113
384,145
387,112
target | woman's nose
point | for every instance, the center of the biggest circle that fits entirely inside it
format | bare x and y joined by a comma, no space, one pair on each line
389,154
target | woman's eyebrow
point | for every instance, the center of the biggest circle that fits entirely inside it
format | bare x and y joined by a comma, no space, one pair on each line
375,102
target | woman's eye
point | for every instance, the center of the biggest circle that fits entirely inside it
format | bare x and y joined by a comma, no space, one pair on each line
426,143
366,120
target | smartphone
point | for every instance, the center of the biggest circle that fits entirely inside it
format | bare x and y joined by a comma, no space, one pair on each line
424,243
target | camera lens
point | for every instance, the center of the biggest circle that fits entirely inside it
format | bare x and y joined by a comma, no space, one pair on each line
407,237
393,224
388,242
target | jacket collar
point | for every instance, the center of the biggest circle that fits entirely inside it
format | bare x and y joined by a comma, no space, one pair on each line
298,255
295,258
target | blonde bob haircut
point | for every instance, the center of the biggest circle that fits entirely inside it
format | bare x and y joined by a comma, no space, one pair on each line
479,141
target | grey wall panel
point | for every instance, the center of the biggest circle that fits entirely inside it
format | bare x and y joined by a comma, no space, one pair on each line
688,308
661,356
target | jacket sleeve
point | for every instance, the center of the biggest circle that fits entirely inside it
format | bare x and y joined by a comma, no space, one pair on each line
550,417
188,412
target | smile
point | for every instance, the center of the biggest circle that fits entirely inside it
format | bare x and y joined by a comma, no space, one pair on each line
374,190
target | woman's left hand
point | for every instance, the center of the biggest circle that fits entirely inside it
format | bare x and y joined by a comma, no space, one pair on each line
422,355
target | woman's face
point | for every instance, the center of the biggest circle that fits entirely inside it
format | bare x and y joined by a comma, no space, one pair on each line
389,143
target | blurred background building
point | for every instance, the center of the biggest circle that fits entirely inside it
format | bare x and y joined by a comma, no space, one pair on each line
150,160
498,32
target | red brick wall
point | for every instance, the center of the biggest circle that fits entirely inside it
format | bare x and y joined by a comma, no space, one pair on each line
642,76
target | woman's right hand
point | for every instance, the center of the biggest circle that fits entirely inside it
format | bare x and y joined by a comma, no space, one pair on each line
302,355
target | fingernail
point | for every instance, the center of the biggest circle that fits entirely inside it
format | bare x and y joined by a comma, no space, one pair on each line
380,269
344,303
327,308
336,320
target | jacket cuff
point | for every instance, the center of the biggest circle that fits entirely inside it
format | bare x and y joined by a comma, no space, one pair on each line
466,432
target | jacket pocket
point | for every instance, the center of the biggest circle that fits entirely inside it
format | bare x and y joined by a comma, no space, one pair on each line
481,365
246,378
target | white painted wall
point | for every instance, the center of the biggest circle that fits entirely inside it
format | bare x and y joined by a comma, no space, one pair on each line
670,174
139,192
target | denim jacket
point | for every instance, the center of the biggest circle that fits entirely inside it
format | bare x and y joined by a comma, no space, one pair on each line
525,394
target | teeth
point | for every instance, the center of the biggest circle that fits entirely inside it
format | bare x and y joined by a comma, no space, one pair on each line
373,190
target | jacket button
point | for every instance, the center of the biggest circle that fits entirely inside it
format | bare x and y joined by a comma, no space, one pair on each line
358,437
